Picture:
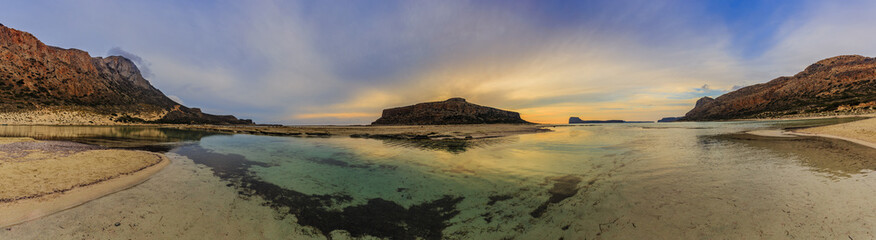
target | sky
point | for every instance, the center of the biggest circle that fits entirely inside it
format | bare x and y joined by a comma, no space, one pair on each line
342,62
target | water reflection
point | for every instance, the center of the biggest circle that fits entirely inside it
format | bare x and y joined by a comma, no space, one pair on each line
137,137
837,157
448,145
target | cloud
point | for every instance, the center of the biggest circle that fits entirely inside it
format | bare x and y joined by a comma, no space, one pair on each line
550,75
141,64
320,62
825,29
336,115
176,99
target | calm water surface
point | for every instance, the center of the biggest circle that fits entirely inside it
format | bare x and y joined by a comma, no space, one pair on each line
667,180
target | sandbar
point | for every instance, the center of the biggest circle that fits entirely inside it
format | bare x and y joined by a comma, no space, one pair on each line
43,177
861,132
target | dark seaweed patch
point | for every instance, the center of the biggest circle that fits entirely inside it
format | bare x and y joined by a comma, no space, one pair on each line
158,148
335,162
225,166
498,198
378,217
455,146
564,187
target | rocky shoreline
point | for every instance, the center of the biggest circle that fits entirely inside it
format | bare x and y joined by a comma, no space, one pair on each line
861,112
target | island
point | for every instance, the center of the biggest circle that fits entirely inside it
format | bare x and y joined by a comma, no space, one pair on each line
451,111
575,120
669,119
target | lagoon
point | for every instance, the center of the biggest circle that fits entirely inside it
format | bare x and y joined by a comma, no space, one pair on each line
611,181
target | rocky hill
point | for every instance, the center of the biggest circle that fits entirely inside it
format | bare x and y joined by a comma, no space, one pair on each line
38,77
451,111
575,120
838,84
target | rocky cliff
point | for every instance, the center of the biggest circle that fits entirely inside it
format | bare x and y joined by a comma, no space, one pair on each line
451,111
842,83
35,76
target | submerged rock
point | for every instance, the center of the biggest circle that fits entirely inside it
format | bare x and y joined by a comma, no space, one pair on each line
564,187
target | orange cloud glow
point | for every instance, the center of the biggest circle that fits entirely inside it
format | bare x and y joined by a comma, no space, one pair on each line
336,115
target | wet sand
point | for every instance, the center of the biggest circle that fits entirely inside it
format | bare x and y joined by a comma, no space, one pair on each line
856,139
183,201
43,177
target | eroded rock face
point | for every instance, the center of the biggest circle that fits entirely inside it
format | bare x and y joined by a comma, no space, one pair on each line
451,111
37,76
703,101
824,86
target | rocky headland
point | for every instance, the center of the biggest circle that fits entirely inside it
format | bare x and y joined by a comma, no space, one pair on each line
669,119
39,84
842,85
451,111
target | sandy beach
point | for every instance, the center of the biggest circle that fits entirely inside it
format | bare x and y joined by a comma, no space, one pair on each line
44,177
861,132
182,201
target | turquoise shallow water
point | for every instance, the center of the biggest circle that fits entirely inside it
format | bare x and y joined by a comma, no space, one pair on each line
668,180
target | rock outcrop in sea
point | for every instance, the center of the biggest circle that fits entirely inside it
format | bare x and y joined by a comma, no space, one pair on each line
670,119
451,111
35,76
574,120
845,84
